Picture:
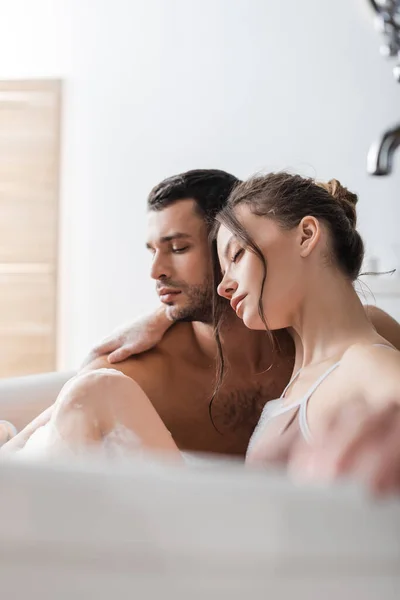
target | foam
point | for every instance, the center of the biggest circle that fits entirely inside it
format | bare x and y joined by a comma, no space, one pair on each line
44,443
121,441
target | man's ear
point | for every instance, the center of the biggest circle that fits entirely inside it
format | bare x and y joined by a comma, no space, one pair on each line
309,235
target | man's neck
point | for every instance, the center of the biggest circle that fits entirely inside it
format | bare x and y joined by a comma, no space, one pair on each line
205,338
241,346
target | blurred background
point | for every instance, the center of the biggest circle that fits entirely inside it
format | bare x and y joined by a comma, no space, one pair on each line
100,100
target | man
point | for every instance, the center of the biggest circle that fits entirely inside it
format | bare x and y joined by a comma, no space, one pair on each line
178,374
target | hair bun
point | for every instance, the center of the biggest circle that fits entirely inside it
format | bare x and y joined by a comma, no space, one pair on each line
344,197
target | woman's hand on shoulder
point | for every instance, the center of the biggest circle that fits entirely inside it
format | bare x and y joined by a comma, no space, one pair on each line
137,337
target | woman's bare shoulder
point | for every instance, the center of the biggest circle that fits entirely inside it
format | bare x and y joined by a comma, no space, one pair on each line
373,370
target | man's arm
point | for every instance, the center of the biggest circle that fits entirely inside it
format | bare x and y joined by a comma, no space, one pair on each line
385,325
22,399
19,440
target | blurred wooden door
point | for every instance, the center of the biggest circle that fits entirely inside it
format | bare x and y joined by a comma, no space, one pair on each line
29,190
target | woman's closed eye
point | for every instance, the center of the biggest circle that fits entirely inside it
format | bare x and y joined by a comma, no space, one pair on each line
237,255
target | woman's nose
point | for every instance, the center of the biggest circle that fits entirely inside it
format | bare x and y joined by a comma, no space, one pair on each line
227,288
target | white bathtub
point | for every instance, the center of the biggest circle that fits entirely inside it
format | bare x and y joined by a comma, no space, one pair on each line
161,532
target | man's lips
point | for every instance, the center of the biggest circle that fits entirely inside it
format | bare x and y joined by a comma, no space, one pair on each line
168,294
236,300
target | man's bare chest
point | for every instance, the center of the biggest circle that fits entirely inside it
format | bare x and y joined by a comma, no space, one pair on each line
198,420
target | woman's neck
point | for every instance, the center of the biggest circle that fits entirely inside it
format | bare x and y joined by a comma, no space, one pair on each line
330,319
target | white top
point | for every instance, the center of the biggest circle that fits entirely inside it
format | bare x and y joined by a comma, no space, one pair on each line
274,408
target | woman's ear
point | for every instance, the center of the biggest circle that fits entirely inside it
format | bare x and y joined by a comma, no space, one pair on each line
309,234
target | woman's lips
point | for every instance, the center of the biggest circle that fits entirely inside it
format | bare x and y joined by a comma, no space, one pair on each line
237,302
239,305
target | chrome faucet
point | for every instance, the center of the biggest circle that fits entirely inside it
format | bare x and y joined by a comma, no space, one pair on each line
387,21
380,155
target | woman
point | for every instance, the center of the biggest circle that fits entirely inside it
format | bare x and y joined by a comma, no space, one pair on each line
289,253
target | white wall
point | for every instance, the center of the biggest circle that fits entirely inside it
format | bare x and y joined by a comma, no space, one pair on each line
157,87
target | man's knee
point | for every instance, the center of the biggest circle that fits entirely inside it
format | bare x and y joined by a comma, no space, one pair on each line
93,393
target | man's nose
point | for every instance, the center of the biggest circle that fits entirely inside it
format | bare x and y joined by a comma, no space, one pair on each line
159,268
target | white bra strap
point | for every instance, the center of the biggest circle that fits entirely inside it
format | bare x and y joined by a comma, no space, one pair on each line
295,376
385,346
303,423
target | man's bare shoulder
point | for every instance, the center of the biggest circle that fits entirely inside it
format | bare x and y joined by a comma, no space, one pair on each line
154,367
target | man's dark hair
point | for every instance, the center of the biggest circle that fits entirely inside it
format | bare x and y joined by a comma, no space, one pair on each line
209,188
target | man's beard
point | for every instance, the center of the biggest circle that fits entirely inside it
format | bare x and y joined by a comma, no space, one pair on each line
198,306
